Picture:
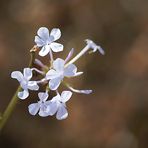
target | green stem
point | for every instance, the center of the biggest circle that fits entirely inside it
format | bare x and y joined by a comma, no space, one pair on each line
9,109
11,106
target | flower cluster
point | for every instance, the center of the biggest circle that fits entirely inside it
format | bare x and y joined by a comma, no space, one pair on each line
52,75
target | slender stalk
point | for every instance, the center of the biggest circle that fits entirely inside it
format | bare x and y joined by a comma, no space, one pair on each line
51,58
11,106
9,109
85,49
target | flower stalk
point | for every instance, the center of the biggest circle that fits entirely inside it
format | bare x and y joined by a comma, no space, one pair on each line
9,109
11,106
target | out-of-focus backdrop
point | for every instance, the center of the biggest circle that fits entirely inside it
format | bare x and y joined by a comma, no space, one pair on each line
116,114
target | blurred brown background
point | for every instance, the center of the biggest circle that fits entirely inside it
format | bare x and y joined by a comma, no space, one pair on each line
116,114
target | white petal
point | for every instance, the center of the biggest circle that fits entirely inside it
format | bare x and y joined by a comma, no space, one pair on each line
44,51
62,112
43,33
94,46
44,110
56,47
17,75
27,73
23,94
65,96
54,83
53,107
39,41
58,64
56,33
70,70
99,49
32,85
43,96
33,108
51,74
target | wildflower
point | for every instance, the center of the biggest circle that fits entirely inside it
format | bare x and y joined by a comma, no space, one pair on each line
46,40
58,105
59,71
24,82
42,106
94,46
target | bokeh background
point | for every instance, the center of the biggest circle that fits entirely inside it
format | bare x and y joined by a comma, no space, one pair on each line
116,114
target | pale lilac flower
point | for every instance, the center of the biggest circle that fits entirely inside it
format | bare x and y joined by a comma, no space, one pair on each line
46,40
42,106
58,105
24,82
59,71
94,46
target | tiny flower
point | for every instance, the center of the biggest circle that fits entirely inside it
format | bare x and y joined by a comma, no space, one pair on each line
42,106
59,71
46,40
58,105
24,82
95,47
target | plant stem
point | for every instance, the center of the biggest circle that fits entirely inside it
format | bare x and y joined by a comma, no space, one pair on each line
5,116
9,109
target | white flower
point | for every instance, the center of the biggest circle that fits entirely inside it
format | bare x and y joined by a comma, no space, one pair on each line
95,47
58,105
42,106
24,82
59,71
46,40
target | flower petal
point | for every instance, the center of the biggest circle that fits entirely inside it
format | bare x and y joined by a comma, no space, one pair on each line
39,41
44,51
51,74
23,94
43,33
54,83
56,33
32,85
100,50
58,64
94,46
70,70
62,112
44,110
17,75
53,106
27,73
56,47
33,108
65,96
43,96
